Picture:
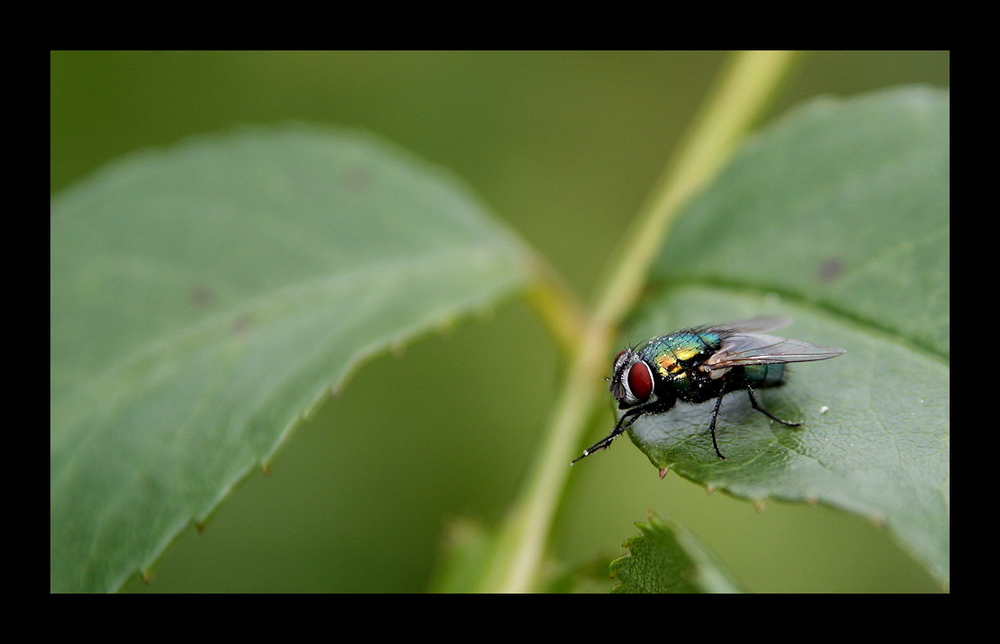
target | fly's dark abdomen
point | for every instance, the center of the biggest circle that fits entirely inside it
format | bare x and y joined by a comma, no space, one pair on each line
765,375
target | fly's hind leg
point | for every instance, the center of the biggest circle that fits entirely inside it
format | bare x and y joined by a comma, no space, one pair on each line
753,403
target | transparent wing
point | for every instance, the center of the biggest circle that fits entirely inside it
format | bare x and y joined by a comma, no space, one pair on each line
754,325
749,349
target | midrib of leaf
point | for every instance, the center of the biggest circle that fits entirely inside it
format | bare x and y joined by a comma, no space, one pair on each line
303,295
873,327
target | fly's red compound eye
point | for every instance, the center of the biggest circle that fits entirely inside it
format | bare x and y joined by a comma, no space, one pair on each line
640,380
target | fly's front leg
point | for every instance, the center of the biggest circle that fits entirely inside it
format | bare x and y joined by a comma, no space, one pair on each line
623,424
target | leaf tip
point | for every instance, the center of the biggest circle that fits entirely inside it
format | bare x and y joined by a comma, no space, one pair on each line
759,505
663,472
709,489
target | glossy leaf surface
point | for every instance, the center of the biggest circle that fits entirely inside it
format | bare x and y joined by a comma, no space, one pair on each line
205,298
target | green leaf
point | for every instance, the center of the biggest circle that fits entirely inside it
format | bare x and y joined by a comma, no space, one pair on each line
836,216
207,297
667,558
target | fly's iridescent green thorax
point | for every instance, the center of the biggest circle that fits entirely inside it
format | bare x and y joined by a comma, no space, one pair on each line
699,364
674,357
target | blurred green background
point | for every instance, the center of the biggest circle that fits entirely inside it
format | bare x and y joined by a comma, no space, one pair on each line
564,146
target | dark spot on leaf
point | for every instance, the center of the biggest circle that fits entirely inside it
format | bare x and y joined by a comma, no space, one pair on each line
830,269
242,325
201,297
357,179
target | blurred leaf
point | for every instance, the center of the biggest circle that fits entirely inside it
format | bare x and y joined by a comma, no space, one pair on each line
836,216
666,558
467,548
206,298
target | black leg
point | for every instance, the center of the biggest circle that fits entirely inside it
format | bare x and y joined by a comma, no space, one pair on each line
711,428
623,424
753,403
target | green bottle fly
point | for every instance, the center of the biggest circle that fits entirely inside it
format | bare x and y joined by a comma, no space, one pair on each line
699,364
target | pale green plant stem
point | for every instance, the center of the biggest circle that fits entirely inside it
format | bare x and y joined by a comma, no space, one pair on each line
748,82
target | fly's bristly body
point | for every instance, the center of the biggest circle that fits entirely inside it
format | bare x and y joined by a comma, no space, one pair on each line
698,364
